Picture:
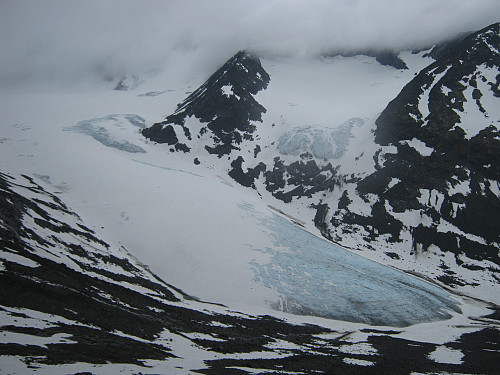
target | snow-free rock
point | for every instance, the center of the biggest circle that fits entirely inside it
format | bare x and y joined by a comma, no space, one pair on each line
221,113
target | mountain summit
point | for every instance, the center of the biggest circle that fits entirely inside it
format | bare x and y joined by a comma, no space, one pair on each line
224,106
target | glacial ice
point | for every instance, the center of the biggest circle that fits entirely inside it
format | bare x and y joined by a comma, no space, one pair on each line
109,129
316,277
322,142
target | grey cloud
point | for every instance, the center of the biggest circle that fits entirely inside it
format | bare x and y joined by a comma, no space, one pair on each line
68,40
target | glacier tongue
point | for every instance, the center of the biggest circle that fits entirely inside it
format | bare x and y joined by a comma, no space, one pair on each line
316,277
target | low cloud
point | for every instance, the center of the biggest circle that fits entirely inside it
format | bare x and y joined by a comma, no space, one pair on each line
69,40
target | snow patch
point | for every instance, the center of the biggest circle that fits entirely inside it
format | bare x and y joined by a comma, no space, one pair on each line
227,90
363,348
445,227
394,181
459,187
420,146
357,362
480,112
19,259
423,103
26,339
431,198
443,354
494,187
445,90
112,131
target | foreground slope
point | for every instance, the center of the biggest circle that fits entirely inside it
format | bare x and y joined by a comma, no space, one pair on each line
72,303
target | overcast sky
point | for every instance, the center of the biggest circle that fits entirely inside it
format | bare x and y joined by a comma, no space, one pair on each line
66,40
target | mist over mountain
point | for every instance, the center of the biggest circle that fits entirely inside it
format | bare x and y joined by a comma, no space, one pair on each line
108,40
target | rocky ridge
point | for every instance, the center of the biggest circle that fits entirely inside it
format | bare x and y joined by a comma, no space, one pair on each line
436,184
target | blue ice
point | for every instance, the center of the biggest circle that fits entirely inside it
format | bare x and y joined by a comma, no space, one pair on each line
316,277
322,142
106,131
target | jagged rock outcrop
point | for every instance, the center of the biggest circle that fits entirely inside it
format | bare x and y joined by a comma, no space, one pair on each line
384,56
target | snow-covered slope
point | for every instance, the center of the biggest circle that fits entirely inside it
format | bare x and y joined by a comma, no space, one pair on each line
209,237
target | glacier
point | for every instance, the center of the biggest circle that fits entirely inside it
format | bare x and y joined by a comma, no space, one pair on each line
108,131
322,142
316,277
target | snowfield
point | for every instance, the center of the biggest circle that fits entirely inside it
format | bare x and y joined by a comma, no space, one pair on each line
197,229
210,237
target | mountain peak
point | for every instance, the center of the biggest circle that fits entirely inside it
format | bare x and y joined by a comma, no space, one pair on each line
435,98
224,105
435,184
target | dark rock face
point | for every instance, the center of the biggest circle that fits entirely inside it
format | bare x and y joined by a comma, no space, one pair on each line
245,178
383,57
390,58
456,70
444,167
224,104
443,48
304,178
